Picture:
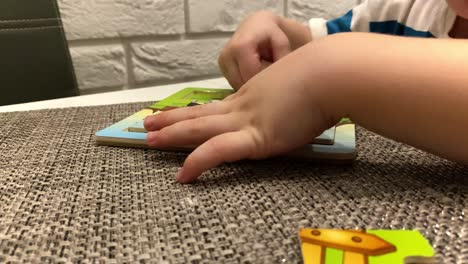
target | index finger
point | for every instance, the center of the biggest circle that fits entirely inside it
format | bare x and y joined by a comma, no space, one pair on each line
249,62
228,147
167,118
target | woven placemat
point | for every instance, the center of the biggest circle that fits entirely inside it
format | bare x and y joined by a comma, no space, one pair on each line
64,199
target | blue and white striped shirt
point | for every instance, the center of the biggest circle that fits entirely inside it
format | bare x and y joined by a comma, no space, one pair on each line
418,18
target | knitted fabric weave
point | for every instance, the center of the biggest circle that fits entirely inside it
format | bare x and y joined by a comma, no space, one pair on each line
65,199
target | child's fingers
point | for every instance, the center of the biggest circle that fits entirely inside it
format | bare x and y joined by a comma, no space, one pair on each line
227,147
249,62
265,64
191,132
230,69
280,45
167,118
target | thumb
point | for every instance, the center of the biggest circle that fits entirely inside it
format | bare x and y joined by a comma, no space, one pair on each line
249,63
280,45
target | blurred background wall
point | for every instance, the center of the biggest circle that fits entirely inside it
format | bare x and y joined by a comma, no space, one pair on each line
126,44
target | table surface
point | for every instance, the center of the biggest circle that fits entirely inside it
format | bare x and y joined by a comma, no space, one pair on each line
65,199
125,96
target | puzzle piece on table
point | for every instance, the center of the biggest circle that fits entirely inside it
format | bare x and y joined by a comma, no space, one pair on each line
191,97
326,138
137,127
332,246
336,143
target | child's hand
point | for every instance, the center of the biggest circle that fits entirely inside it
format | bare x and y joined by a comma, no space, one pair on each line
297,98
262,39
271,114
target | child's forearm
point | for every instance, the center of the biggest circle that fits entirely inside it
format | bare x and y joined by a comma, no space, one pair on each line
412,90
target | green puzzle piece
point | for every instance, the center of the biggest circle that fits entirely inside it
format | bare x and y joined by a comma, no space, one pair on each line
407,242
192,95
189,96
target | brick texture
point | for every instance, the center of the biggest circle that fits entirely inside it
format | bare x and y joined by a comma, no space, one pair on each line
84,19
225,15
303,10
175,60
124,44
99,67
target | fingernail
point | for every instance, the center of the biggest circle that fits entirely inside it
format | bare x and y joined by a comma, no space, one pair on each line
180,175
150,138
147,123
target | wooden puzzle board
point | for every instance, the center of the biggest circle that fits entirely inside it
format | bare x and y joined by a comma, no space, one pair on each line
336,143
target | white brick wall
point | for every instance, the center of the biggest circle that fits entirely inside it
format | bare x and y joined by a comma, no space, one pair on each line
124,44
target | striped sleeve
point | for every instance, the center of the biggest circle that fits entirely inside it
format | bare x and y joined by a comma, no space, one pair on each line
417,18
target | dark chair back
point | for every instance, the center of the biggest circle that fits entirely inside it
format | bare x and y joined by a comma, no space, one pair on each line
35,62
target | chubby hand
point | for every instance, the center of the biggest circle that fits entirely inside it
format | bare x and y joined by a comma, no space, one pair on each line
271,114
262,39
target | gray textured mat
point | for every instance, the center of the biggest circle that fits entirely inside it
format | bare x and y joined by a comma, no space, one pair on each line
64,199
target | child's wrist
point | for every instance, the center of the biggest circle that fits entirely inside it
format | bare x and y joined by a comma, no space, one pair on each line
325,80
